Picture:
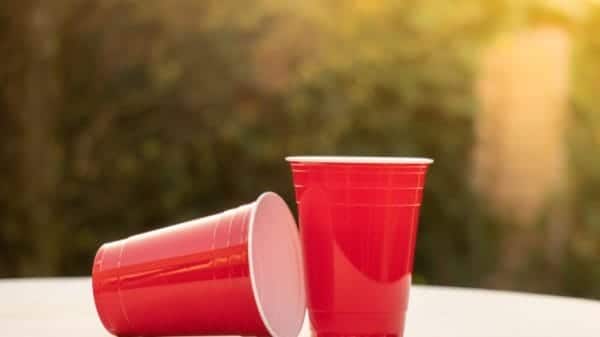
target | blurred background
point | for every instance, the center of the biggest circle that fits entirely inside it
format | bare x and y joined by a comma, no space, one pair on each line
118,117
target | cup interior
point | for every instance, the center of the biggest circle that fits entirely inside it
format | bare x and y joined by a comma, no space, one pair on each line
276,268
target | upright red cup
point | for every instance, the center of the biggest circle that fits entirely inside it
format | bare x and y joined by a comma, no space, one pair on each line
358,222
234,273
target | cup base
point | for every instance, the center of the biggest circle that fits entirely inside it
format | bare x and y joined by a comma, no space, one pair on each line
329,324
314,334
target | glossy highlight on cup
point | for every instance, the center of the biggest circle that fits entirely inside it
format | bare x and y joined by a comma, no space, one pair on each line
234,273
358,221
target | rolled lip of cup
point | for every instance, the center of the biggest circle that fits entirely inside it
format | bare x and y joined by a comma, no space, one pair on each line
277,277
359,160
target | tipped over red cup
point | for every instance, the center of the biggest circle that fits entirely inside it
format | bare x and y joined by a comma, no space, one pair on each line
358,219
234,273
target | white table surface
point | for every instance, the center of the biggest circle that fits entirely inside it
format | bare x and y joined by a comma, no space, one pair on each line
64,307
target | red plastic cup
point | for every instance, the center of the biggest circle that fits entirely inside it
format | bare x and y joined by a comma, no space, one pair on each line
234,273
358,223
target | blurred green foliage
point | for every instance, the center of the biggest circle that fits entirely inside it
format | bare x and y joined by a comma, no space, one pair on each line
117,117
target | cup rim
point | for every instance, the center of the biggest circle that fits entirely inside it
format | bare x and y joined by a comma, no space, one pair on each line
359,160
267,311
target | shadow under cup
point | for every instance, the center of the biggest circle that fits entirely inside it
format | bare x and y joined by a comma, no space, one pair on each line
358,220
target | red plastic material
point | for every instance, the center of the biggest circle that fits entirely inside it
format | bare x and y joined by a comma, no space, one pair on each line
197,278
358,220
